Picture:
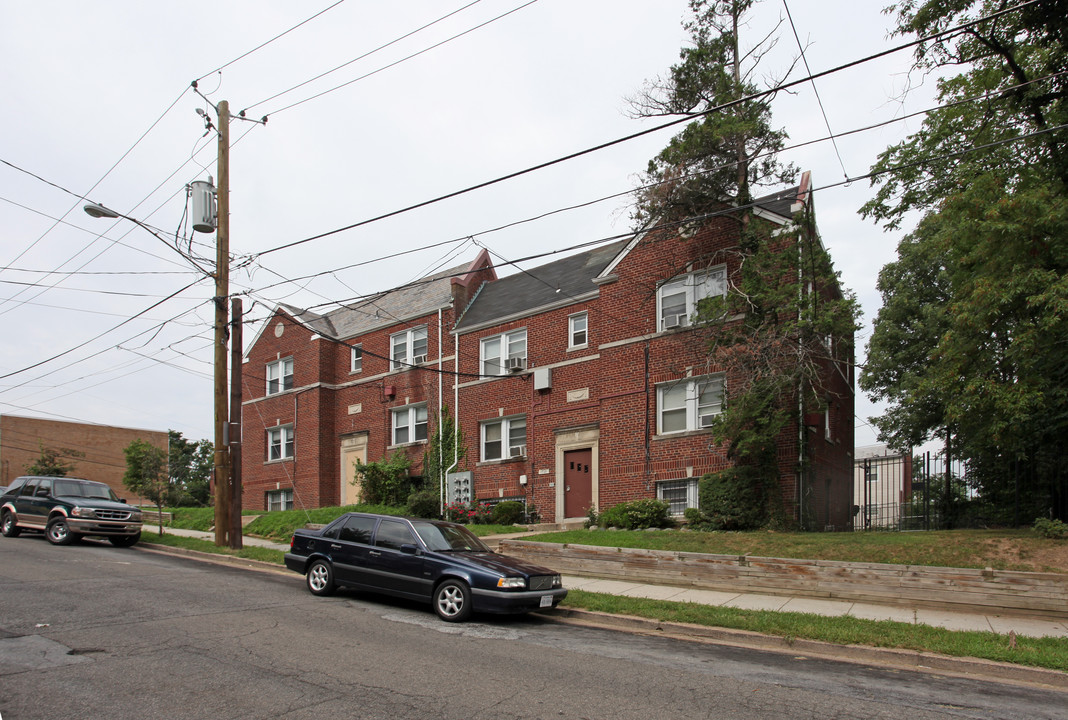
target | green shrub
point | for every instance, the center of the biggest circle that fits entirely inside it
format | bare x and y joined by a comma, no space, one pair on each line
638,515
733,499
385,482
696,520
1052,529
508,512
424,504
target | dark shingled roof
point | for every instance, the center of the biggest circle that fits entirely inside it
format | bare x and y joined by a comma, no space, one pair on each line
391,307
780,202
539,287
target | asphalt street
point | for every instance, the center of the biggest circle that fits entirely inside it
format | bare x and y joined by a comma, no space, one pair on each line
95,631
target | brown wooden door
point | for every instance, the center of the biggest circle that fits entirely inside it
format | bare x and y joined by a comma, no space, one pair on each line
578,482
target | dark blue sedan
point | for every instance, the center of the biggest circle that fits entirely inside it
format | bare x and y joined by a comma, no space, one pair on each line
427,560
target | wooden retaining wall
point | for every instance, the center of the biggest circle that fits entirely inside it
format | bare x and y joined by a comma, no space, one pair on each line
963,589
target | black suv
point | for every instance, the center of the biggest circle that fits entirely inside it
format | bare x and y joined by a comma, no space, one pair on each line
65,509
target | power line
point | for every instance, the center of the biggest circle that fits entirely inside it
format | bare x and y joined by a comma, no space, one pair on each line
686,118
404,59
815,91
268,42
360,57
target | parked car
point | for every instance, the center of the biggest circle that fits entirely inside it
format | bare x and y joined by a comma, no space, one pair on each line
429,560
65,509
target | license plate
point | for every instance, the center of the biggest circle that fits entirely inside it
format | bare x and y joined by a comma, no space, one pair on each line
546,601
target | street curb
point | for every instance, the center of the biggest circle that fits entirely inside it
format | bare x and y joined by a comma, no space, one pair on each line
218,559
904,659
861,654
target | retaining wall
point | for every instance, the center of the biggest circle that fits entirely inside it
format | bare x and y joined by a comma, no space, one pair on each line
987,590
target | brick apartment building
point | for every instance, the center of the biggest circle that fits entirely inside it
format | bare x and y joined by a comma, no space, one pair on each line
97,449
578,383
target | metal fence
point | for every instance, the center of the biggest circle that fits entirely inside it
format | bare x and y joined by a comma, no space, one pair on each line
902,492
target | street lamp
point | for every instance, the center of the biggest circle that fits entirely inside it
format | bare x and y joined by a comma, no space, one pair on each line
96,210
227,491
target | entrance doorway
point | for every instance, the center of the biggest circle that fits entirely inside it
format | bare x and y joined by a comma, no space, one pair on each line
353,448
578,482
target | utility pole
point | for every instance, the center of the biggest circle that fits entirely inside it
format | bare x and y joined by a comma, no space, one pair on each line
236,345
222,292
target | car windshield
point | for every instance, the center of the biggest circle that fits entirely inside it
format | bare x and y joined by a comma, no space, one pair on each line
448,537
72,488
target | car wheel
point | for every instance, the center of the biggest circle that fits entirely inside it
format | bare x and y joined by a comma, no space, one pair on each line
124,540
452,601
321,578
58,532
9,528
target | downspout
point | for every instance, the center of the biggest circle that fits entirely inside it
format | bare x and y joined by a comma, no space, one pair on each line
441,422
455,417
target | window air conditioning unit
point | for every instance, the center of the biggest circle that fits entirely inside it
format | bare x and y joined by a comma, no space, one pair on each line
707,420
517,451
418,359
674,321
516,364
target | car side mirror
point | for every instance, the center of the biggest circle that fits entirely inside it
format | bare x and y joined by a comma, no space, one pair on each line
409,549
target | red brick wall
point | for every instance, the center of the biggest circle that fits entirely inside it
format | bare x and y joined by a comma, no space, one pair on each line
104,461
619,369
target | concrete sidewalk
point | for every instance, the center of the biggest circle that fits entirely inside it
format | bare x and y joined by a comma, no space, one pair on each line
1025,626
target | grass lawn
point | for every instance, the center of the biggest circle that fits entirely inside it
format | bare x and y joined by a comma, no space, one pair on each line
279,525
998,549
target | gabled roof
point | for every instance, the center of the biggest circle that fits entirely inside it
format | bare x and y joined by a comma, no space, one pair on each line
422,297
779,203
558,283
391,307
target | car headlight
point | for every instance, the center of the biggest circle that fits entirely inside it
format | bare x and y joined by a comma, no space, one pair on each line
511,583
135,516
83,512
557,581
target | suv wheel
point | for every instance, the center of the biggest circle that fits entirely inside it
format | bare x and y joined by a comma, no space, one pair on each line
8,526
58,532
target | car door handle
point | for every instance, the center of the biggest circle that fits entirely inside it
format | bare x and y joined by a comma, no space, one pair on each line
374,553
335,546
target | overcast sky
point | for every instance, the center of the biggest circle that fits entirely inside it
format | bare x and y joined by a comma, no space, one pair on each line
98,104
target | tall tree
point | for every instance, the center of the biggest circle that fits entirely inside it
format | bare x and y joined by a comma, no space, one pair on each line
190,467
972,348
146,474
784,326
723,154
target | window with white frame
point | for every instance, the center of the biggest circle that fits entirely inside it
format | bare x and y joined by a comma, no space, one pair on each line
279,500
677,299
280,442
503,353
357,359
409,424
504,438
578,330
688,404
407,347
279,376
678,494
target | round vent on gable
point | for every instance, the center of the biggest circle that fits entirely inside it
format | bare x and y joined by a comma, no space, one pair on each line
279,329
